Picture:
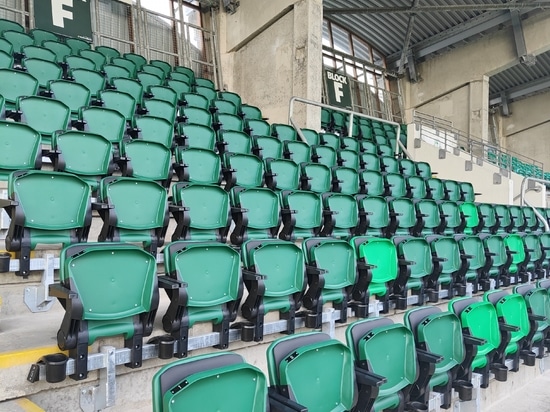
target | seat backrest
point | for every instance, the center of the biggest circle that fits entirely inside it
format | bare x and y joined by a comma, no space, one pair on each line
149,160
6,24
343,223
198,165
196,115
108,123
197,136
512,310
416,187
395,185
38,52
165,66
379,252
137,59
129,65
267,147
16,83
234,141
178,86
130,86
415,250
325,155
348,158
155,70
77,45
405,214
372,182
155,129
122,102
20,148
246,170
428,216
435,188
40,36
309,210
161,108
377,213
95,56
336,257
92,79
45,115
312,137
299,152
472,246
18,39
283,131
446,247
251,112
149,79
345,180
108,52
43,70
407,167
451,216
504,217
423,169
74,95
316,177
257,127
282,174
165,93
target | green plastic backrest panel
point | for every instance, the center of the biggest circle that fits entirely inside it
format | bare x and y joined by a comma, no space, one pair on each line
198,136
308,206
235,141
349,158
224,106
37,52
195,100
196,115
513,311
178,86
16,83
346,206
453,190
429,208
452,214
139,204
19,146
43,114
270,146
538,303
417,250
312,137
417,187
154,129
473,246
424,169
338,258
127,64
138,60
98,58
300,151
203,166
129,271
470,213
446,247
349,180
119,101
40,36
77,45
408,167
105,122
130,86
284,131
154,70
161,108
262,207
374,182
93,80
18,39
164,93
251,112
150,160
282,263
229,122
406,215
390,352
503,214
208,205
515,244
327,155
487,211
10,25
165,66
287,173
331,140
211,271
108,52
436,187
533,243
74,95
382,254
319,177
6,60
43,70
149,79
371,161
84,153
258,126
496,245
378,211
249,169
391,164
321,376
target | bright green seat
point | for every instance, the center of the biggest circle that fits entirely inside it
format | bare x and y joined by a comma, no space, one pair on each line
302,214
298,151
188,384
147,160
471,217
371,183
74,95
155,129
45,208
514,244
345,180
316,177
340,215
234,142
274,275
16,83
133,210
210,278
538,307
452,220
122,102
197,136
267,147
107,289
381,255
282,174
196,165
374,216
208,215
312,370
92,79
20,148
256,213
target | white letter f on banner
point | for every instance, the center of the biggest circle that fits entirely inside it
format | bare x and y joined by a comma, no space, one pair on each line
59,14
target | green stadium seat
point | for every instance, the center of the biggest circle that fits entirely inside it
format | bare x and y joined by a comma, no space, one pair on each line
428,218
330,139
340,215
74,95
108,123
106,290
350,143
389,164
234,142
533,263
257,127
532,222
449,270
18,40
537,301
182,77
374,216
45,208
423,169
197,165
137,59
266,147
452,190
452,219
92,79
20,148
165,93
500,261
302,214
345,180
371,182
472,251
504,218
99,59
6,24
403,215
471,217
6,47
208,92
245,170
283,132
325,155
39,52
367,146
369,161
518,218
274,276
297,151
130,86
113,71
6,60
202,212
251,112
210,275
394,185
514,245
161,108
155,129
407,167
147,160
467,192
224,121
133,210
185,70
42,70
195,100
435,188
488,220
281,174
40,36
202,82
178,86
316,177
219,105
416,187
348,158
77,45
108,52
199,136
122,102
165,66
149,79
154,70
312,137
189,384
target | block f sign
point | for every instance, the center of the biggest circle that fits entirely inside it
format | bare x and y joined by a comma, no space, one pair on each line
59,14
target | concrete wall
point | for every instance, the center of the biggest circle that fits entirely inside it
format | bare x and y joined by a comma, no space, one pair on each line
270,52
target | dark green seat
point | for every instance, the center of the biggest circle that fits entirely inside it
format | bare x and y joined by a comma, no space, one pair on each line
299,363
45,208
196,165
449,269
302,214
20,148
210,277
196,136
340,215
316,177
107,289
92,79
256,213
16,83
188,384
133,210
203,82
147,160
207,215
281,174
274,275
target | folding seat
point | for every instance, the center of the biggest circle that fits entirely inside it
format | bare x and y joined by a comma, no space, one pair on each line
182,77
234,142
389,164
471,217
6,46
512,310
518,218
340,215
39,52
40,36
407,167
210,277
531,220
92,79
394,185
350,143
302,214
178,86
6,24
504,218
415,187
514,246
197,165
345,180
317,361
184,70
385,150
130,86
311,136
365,131
467,192
330,139
451,217
6,60
120,101
207,92
43,71
161,108
498,261
233,98
222,106
368,146
251,112
20,148
281,174
77,45
381,256
449,270
348,158
371,183
440,334
537,300
154,129
435,188
326,119
533,264
164,93
99,59
79,62
108,52
423,169
339,124
45,208
147,160
414,258
189,384
369,161
196,136
387,351
18,40
61,50
224,121
165,66
154,70
133,210
256,214
108,123
257,127
149,79
74,95
207,212
403,214
114,70
266,147
195,115
137,59
245,170
298,152
473,254
374,216
203,82
332,274
43,114
283,132
315,177
91,275
488,220
325,155
480,320
16,83
87,155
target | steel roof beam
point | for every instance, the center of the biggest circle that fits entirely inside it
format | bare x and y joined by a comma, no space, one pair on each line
515,93
521,48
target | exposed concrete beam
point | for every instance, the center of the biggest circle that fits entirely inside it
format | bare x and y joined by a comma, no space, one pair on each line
515,93
443,8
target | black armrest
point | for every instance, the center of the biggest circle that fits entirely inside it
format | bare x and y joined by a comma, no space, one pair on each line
278,403
7,203
365,377
403,262
167,282
249,275
238,209
537,317
472,340
490,254
468,256
506,327
313,270
177,208
59,291
424,356
438,259
363,265
101,206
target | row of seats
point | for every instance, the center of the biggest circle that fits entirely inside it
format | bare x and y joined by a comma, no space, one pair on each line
384,366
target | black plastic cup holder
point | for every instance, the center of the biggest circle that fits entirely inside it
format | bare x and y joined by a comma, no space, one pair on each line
56,367
247,331
500,371
433,295
4,262
311,320
528,357
465,390
460,290
166,347
361,310
416,407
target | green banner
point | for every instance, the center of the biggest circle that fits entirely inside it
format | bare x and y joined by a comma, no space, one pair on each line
70,18
338,89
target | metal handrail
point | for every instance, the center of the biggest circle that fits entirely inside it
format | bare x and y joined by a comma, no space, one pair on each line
523,201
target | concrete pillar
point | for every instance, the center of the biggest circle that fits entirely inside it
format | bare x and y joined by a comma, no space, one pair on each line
479,109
